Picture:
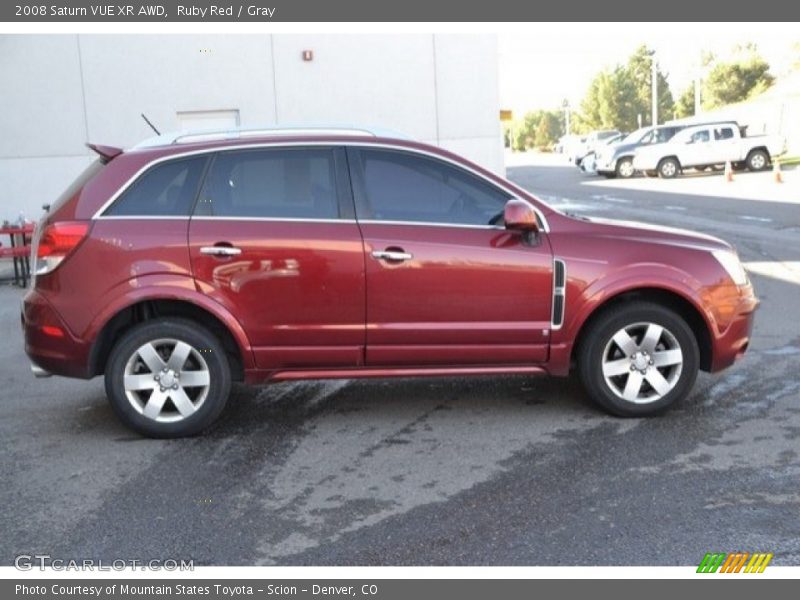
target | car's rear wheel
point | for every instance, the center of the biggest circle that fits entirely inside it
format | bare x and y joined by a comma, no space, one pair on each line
668,168
757,160
625,168
168,378
637,359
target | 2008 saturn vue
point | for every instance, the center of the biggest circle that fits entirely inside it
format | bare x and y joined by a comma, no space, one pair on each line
193,261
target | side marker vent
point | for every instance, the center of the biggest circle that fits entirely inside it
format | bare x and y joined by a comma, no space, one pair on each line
559,292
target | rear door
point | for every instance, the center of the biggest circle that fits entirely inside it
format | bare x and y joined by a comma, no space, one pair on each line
273,238
725,146
446,283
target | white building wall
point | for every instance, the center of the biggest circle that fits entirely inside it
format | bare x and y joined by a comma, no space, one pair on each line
60,91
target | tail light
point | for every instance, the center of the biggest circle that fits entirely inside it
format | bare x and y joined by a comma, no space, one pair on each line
55,243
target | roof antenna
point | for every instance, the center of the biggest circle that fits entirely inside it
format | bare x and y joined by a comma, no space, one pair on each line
153,127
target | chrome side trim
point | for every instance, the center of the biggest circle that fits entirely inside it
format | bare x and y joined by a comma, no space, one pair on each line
431,224
272,219
364,144
142,218
559,294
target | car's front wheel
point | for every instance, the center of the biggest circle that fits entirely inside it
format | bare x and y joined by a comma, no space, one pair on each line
638,358
168,378
625,168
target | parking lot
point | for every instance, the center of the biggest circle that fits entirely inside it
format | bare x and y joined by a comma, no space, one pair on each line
495,471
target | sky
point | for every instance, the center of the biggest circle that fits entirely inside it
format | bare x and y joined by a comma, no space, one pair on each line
555,61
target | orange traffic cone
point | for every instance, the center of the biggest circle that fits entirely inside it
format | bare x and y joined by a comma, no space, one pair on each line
728,171
776,171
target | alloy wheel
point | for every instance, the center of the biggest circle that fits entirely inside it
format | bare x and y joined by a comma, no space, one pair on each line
626,169
758,162
642,362
166,380
669,169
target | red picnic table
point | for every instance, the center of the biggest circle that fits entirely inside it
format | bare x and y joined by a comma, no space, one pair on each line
19,250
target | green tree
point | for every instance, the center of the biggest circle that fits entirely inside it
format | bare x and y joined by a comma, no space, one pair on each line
640,69
743,76
616,97
538,129
684,107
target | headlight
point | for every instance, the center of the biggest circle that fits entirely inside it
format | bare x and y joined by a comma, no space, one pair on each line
730,262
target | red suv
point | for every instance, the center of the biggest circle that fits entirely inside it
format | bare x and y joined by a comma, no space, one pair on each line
191,262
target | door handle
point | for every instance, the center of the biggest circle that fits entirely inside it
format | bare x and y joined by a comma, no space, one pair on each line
220,250
395,255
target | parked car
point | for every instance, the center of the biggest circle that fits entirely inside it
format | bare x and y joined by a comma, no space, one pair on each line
588,163
568,145
590,143
617,160
704,146
176,268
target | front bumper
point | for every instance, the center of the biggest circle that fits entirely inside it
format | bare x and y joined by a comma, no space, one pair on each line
731,343
49,343
606,164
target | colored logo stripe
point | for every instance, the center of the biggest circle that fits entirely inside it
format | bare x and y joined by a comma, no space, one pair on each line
711,562
758,563
734,562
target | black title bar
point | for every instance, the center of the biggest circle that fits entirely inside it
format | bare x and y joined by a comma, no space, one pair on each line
397,10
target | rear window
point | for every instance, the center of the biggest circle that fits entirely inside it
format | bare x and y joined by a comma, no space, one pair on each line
165,190
81,180
723,133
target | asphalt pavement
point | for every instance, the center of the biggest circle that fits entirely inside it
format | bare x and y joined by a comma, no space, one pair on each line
488,471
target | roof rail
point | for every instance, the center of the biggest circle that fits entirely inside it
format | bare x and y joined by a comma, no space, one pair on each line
203,135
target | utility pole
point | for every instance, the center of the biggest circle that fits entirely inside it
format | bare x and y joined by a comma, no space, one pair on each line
565,104
654,80
697,94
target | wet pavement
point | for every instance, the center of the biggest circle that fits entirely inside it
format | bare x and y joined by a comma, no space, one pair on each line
496,471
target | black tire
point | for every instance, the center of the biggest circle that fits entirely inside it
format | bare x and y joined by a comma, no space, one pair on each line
668,168
624,169
597,339
757,160
207,354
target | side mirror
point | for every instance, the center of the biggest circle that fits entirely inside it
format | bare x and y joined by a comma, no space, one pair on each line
518,215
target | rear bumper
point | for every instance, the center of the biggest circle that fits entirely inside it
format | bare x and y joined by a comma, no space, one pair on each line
48,341
730,345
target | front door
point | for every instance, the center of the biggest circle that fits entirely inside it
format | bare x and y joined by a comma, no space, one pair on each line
698,150
273,238
446,283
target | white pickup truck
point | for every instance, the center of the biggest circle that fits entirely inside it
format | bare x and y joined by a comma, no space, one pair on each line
711,145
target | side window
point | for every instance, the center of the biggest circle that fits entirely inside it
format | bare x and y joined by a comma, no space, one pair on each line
666,134
281,183
700,136
647,139
401,186
662,135
165,190
723,133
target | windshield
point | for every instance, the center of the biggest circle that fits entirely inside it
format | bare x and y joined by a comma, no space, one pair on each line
636,136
